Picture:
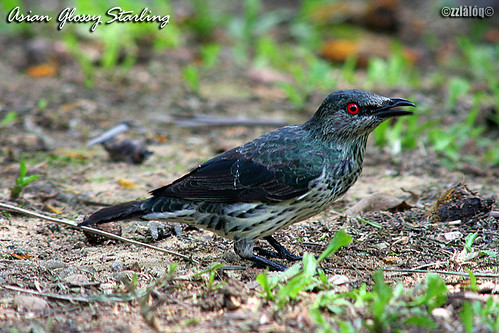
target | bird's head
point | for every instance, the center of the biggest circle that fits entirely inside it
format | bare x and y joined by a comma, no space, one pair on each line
348,114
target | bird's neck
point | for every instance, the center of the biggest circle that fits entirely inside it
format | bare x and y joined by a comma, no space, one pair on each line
339,145
351,150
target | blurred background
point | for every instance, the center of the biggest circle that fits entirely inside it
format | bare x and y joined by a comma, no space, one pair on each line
248,65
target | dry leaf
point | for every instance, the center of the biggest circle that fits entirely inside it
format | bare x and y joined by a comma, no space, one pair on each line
390,260
126,183
21,256
42,70
339,50
364,48
53,209
161,138
449,236
381,201
76,155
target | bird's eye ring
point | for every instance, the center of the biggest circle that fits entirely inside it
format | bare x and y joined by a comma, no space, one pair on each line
353,108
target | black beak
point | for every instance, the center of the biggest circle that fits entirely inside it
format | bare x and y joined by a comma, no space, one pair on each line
390,109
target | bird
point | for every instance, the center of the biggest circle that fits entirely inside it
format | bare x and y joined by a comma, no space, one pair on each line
280,178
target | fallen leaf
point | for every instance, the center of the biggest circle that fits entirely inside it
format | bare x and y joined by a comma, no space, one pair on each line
161,138
465,256
41,70
53,209
21,256
339,50
339,280
364,48
125,183
76,155
390,260
449,236
378,202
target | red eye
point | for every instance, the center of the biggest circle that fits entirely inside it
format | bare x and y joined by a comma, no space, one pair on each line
353,108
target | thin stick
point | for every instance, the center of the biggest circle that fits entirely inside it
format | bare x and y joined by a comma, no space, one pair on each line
415,271
66,298
430,264
118,129
408,270
210,121
95,231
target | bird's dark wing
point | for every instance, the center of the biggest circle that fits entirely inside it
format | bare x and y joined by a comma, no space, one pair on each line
268,172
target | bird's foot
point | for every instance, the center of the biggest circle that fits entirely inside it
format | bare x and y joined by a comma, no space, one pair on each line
266,263
244,248
272,254
282,252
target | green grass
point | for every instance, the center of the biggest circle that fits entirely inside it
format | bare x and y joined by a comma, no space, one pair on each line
22,180
394,72
210,54
120,43
212,270
385,308
206,19
9,118
190,73
300,277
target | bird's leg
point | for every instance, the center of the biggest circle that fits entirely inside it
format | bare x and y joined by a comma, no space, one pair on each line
282,252
244,248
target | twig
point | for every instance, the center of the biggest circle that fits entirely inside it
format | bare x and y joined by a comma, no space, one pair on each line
118,129
415,271
455,222
66,298
472,296
210,121
95,231
430,264
408,270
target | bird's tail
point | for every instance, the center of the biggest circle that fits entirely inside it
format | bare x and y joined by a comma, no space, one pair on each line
123,211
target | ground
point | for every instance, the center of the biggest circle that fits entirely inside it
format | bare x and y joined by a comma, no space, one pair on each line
80,286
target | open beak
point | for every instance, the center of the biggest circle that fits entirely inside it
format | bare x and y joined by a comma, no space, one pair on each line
391,108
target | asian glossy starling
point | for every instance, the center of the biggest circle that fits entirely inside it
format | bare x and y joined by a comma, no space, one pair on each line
278,179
